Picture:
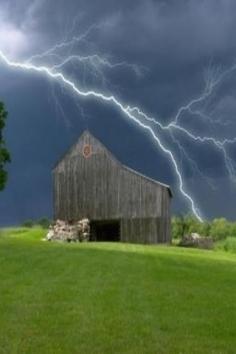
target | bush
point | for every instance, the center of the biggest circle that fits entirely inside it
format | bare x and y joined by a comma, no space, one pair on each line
28,223
232,230
177,227
220,229
185,225
44,223
228,245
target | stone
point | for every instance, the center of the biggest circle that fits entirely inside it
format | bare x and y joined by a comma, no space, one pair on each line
196,240
69,232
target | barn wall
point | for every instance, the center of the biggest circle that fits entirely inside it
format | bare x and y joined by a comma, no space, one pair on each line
100,187
143,230
166,216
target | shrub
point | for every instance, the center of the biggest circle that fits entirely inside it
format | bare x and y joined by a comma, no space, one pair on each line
185,225
28,223
220,229
176,227
44,223
228,245
232,229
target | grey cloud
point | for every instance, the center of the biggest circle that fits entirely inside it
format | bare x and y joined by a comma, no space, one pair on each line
174,40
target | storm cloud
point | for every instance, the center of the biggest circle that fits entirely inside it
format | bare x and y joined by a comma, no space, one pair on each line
172,48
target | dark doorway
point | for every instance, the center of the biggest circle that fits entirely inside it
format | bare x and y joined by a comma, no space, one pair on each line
105,230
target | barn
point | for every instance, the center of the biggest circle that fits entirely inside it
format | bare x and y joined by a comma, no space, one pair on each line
121,204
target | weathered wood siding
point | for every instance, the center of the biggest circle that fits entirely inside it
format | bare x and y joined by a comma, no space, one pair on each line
100,187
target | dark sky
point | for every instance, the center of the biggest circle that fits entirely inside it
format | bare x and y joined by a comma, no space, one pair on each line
156,55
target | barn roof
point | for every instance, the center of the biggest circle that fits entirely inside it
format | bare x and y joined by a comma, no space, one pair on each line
88,134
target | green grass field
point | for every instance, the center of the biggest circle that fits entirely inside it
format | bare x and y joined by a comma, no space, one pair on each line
113,298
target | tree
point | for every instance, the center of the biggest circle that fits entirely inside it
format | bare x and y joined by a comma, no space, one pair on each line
220,229
180,226
4,154
183,225
44,223
28,223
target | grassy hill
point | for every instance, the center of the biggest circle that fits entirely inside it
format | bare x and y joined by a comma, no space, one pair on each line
113,298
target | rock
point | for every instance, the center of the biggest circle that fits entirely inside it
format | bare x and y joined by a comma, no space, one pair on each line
195,240
83,230
195,236
50,234
69,232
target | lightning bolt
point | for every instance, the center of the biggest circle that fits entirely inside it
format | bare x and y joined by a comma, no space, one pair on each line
147,123
95,62
126,110
192,163
62,44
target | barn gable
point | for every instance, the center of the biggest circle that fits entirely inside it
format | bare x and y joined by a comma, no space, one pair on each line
87,139
90,182
80,148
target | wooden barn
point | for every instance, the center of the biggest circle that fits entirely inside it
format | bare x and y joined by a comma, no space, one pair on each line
121,204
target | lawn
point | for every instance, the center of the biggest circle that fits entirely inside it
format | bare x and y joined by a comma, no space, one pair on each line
113,298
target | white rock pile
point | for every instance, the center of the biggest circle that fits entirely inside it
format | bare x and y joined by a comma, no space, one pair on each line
196,240
69,232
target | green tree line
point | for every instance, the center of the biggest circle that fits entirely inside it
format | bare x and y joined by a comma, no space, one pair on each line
218,229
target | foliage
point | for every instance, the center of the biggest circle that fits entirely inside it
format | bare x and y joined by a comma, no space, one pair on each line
44,223
218,229
113,298
4,154
178,227
28,223
184,225
228,245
